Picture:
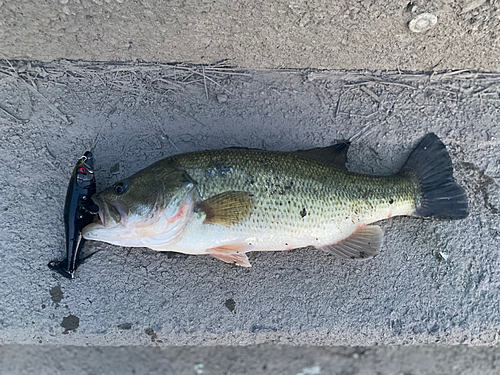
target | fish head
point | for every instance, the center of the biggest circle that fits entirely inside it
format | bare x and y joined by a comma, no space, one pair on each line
142,205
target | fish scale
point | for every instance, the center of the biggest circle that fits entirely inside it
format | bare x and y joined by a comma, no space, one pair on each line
284,185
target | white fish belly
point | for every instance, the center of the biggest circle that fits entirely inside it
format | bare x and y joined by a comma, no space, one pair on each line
198,238
262,235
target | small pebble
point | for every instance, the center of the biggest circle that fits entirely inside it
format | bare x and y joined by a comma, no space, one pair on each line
222,98
66,10
443,256
115,169
423,22
63,1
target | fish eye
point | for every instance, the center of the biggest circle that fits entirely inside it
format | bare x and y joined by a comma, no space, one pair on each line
120,187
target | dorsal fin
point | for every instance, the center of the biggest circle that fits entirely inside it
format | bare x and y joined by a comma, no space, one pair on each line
335,155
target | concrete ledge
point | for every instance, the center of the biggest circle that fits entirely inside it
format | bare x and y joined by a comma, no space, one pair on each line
131,116
258,360
256,34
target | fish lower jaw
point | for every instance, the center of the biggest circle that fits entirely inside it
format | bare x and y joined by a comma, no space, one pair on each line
95,231
89,232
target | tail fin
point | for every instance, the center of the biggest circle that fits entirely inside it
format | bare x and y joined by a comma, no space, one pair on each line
441,197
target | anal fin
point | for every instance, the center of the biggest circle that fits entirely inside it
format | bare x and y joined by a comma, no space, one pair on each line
364,242
232,253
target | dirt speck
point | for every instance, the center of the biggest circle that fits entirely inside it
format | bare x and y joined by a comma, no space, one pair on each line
70,323
231,305
115,169
483,183
56,295
151,332
125,326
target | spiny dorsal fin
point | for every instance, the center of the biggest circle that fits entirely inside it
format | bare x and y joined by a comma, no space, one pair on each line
364,243
228,208
335,155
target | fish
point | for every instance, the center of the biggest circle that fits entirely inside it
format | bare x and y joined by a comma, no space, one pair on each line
227,203
79,211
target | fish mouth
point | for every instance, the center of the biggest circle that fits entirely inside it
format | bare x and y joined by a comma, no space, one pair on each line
110,221
110,213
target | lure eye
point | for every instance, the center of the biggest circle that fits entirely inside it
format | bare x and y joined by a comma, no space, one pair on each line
81,170
120,187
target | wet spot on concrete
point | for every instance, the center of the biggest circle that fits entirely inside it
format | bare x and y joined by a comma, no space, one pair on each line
419,328
198,368
231,305
150,332
483,183
397,326
70,323
125,326
261,328
434,328
56,294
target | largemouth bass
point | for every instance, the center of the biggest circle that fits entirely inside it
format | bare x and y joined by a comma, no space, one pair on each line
229,202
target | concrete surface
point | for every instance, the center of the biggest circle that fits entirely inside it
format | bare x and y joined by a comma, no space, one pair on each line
363,34
131,116
256,360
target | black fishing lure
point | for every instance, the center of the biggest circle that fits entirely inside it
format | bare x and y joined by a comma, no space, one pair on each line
79,211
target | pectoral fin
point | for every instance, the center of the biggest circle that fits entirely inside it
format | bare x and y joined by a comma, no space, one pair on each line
364,243
228,208
232,253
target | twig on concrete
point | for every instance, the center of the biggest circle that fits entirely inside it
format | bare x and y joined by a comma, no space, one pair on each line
357,114
359,135
173,144
372,82
35,91
205,77
47,102
24,121
339,103
483,91
205,83
457,72
397,84
370,93
96,139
